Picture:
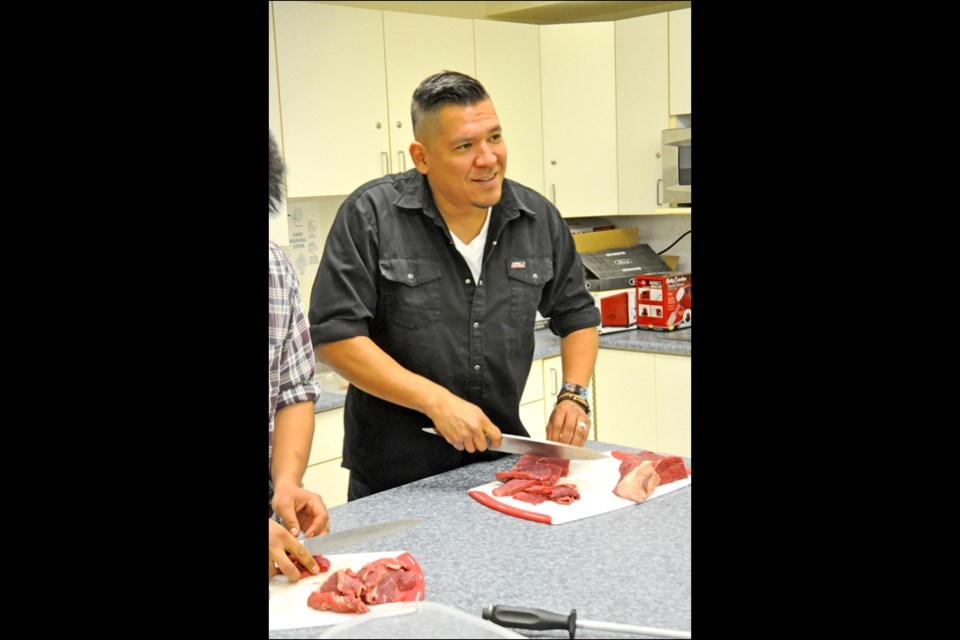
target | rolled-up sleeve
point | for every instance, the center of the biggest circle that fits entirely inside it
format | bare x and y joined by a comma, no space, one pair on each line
297,362
566,300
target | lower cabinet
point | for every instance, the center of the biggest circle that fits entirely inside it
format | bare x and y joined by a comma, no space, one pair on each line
324,475
643,400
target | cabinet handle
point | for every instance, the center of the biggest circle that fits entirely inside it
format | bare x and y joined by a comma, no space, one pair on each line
384,162
555,389
401,159
398,124
659,180
553,188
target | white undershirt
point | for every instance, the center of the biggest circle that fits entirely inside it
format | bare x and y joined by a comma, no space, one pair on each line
473,252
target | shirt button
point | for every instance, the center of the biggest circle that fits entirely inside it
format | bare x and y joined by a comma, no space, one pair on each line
494,242
476,367
476,325
409,276
480,283
467,281
536,277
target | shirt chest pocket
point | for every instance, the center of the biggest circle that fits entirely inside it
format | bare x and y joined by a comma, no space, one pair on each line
527,277
410,290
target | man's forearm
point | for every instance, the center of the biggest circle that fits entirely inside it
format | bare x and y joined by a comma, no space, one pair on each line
292,437
370,368
578,354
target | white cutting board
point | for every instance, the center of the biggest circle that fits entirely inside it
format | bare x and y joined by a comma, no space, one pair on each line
595,480
288,600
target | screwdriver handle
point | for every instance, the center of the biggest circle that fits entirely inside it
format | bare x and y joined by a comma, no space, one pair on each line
528,618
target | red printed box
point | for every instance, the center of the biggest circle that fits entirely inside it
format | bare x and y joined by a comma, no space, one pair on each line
664,301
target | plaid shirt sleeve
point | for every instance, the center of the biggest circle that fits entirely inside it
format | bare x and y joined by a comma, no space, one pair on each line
296,365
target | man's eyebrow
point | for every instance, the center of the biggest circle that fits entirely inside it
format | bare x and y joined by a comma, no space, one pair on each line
461,140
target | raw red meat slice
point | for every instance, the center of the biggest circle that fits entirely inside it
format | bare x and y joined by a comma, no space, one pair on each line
651,456
332,601
510,487
532,498
345,582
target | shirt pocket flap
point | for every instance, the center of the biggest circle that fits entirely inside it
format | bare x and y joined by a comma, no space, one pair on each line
410,271
535,271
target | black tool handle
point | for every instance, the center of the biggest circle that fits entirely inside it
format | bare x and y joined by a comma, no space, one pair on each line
527,618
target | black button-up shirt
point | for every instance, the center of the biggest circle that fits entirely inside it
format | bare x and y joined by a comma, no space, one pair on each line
390,271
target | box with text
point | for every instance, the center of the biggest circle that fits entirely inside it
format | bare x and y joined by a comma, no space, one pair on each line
664,301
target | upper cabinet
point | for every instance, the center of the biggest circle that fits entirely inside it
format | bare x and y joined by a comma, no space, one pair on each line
278,231
508,66
578,83
642,110
680,62
418,46
333,96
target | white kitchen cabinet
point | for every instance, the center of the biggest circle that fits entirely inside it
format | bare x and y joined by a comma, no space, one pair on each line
508,66
328,479
578,84
626,406
680,102
673,404
333,96
642,110
324,474
418,46
643,400
278,231
531,401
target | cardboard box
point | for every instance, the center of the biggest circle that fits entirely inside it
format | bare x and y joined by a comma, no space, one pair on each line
619,268
618,309
664,301
594,241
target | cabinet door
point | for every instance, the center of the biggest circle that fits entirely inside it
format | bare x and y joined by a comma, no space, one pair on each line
531,401
417,46
508,66
680,62
642,110
278,222
333,96
578,83
552,379
673,404
327,436
626,405
328,479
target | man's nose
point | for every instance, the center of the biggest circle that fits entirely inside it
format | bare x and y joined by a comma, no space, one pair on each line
485,155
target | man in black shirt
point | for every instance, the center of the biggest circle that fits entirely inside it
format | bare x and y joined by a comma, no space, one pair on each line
426,296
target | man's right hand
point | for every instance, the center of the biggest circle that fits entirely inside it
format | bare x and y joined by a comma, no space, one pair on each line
463,424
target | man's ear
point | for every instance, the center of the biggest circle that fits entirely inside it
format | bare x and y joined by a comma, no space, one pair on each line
418,153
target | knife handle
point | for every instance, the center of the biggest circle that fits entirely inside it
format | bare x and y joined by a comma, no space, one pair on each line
528,618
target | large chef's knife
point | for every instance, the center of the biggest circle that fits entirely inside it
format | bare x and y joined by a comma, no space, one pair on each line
339,539
544,448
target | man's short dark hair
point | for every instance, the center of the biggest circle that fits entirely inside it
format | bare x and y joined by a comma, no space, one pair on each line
277,170
441,89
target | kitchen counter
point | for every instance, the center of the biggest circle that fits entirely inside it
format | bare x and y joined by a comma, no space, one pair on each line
630,566
547,345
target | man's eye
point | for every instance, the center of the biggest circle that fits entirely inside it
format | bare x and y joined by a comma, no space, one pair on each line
495,138
463,147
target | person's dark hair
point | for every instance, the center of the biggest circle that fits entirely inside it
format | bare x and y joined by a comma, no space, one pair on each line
277,170
441,89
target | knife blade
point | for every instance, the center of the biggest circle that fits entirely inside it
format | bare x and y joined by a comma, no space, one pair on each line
339,539
544,448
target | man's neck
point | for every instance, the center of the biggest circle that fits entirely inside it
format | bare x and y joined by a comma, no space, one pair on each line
466,226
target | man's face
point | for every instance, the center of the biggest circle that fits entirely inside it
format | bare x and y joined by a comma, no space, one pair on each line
464,157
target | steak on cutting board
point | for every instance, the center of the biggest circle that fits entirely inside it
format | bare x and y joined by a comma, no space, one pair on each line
641,473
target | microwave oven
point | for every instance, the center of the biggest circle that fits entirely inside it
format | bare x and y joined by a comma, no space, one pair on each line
675,160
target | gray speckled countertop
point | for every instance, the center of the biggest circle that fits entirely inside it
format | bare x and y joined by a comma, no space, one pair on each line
548,345
630,566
